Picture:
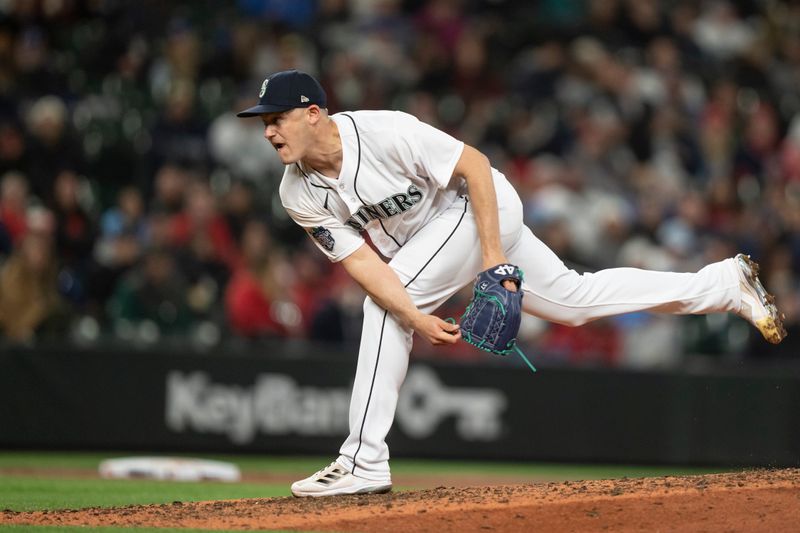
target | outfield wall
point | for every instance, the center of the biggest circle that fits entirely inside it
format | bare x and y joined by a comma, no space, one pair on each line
295,402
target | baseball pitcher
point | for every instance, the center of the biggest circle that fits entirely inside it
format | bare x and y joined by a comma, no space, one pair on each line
443,216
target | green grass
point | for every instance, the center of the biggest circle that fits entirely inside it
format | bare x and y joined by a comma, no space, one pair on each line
20,493
294,465
26,493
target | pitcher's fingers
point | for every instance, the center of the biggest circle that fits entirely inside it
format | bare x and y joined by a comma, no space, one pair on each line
450,328
450,337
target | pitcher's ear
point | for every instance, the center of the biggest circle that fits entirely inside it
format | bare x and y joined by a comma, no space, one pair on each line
314,113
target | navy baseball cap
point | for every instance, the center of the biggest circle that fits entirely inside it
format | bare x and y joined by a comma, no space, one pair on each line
286,90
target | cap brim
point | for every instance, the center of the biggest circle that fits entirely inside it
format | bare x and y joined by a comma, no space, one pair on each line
261,109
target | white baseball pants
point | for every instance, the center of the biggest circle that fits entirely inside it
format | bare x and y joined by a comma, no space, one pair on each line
445,256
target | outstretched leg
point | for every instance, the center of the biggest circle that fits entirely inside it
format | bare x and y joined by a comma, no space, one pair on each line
555,293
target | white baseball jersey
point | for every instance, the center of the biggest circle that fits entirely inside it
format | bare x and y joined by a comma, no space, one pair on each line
395,177
395,183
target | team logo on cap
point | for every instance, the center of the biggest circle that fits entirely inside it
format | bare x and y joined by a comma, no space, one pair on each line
263,88
303,99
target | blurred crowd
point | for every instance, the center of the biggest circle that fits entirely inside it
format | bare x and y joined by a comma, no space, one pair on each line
135,206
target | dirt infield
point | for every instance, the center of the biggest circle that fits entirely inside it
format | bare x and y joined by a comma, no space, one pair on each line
761,500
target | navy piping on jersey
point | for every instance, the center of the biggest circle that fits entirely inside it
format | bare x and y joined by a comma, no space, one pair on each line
371,386
383,325
309,179
315,185
387,233
355,178
466,202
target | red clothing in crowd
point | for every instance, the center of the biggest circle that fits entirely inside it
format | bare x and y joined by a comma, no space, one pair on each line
15,223
249,309
183,229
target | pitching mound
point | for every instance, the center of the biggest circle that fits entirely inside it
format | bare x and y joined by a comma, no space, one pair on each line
762,500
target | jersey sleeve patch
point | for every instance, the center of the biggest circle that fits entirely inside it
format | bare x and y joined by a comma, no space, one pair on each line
323,237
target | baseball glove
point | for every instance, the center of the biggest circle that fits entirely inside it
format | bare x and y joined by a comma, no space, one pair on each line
491,320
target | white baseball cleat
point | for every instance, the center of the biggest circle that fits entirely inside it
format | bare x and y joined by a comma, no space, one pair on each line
758,306
335,480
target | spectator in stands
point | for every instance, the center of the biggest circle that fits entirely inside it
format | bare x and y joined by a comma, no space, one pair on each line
13,205
239,206
235,146
179,136
123,233
126,217
253,297
53,145
29,295
14,153
170,185
75,233
151,301
201,224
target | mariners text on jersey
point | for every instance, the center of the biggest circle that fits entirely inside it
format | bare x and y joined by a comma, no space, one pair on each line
388,207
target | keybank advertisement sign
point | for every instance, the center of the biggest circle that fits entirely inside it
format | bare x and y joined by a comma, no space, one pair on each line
275,404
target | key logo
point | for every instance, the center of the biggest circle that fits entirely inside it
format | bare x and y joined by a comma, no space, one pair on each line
425,404
505,270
